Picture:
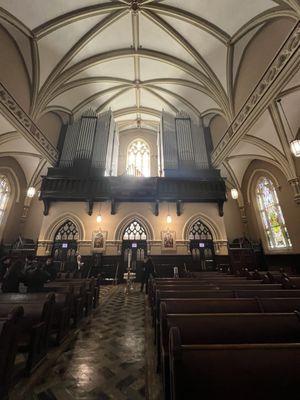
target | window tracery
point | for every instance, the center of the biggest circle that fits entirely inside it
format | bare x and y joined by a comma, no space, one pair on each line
138,158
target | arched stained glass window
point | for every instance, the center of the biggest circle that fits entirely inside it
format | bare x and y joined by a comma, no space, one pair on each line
271,215
135,231
138,158
4,195
199,231
68,231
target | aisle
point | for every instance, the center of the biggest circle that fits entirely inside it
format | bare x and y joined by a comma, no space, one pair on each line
107,361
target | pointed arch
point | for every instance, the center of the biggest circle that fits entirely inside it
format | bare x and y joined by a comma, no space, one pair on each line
53,228
211,225
131,218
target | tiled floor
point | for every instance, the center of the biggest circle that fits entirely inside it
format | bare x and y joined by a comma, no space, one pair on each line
107,361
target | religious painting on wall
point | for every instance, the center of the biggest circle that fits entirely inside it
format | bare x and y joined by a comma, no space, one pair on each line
168,239
98,241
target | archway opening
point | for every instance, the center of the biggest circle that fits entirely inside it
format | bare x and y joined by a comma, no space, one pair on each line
65,245
201,247
134,247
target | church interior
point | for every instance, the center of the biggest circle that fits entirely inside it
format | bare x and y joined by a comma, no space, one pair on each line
149,199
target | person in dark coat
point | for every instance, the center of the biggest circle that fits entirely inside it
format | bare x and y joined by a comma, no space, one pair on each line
12,277
5,263
147,271
35,278
51,268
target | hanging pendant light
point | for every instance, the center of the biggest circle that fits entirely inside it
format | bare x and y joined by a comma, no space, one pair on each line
99,218
169,218
234,194
31,191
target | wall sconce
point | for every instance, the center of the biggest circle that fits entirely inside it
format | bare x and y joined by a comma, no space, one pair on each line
295,147
234,194
31,191
99,219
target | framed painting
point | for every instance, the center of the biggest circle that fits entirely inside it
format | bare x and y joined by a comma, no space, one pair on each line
98,241
168,240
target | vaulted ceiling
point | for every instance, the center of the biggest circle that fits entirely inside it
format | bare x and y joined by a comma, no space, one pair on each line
139,57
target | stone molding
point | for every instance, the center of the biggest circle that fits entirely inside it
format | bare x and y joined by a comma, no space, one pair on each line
23,123
280,70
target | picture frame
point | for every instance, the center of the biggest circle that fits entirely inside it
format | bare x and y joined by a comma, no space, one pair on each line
168,240
98,244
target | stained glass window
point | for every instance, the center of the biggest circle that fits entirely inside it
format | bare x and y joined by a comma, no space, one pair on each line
135,231
138,158
271,215
199,231
4,195
68,231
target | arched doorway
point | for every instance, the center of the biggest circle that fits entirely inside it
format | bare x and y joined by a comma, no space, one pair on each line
202,247
134,244
65,243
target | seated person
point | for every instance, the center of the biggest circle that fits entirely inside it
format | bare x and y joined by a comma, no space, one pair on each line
35,278
5,263
13,277
50,268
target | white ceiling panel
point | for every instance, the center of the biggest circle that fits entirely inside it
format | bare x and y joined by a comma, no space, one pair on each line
35,12
154,38
52,48
116,36
212,50
229,15
119,68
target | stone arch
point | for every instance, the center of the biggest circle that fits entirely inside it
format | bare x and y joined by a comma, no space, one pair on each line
130,218
51,231
211,225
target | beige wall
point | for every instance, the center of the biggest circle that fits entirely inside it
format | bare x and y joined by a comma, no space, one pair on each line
218,127
291,211
50,124
258,55
232,220
11,224
32,225
127,137
114,224
13,73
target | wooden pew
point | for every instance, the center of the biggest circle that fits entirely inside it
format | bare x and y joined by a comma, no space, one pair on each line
62,310
250,286
233,371
35,328
200,306
246,293
208,329
9,329
292,283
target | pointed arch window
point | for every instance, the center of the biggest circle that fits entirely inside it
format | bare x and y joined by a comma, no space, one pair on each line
135,231
271,215
67,231
138,158
4,195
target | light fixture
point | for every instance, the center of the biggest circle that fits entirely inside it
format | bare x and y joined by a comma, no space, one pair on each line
295,147
295,143
99,218
31,191
169,218
234,194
